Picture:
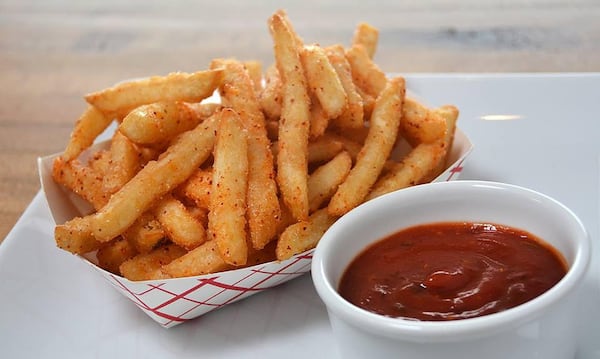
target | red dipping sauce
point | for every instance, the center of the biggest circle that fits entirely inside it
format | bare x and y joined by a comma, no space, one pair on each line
449,271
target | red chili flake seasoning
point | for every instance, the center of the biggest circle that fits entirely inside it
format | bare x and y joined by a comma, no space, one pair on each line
449,271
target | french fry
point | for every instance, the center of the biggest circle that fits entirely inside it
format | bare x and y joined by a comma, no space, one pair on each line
368,101
271,96
100,161
353,114
349,145
303,235
450,115
318,120
122,98
226,218
145,233
382,135
254,69
292,164
91,124
419,124
367,36
198,187
201,260
414,167
261,200
324,181
148,266
200,214
112,254
203,110
82,180
76,236
282,14
323,149
286,220
155,180
158,122
323,81
124,163
365,73
357,134
179,224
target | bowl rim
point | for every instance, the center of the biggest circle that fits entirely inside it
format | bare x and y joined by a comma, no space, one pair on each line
440,331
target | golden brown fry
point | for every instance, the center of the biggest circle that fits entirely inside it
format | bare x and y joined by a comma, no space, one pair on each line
156,179
419,124
324,181
112,254
122,98
200,214
149,265
450,115
366,74
262,202
357,135
145,233
148,154
318,120
323,81
382,135
285,18
198,187
179,224
368,102
366,36
227,212
76,236
82,180
201,260
304,235
286,219
415,166
100,161
271,96
254,70
124,163
353,114
349,145
203,110
89,125
158,122
292,165
323,149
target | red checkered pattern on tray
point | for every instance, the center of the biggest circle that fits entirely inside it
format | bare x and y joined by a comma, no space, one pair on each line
450,173
173,302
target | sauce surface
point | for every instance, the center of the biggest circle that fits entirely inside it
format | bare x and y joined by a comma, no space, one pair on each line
449,271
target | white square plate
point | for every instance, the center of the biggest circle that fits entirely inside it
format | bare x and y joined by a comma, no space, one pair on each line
536,130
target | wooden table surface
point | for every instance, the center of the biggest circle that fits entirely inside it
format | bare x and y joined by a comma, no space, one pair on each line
53,52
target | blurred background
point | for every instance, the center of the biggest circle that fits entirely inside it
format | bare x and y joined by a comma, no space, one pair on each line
52,52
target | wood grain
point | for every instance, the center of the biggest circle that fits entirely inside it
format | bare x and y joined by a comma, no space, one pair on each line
53,52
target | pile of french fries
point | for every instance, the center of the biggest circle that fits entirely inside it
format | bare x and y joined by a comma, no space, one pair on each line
191,186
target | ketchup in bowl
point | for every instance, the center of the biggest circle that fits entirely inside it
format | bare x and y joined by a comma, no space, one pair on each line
449,271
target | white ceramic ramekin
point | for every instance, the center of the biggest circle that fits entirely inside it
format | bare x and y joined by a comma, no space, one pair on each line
540,328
